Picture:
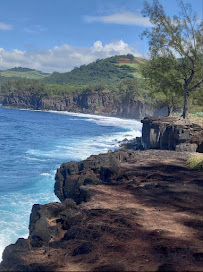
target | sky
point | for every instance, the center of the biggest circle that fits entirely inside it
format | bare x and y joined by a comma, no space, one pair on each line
58,35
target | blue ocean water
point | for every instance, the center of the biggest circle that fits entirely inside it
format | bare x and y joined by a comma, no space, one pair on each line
33,144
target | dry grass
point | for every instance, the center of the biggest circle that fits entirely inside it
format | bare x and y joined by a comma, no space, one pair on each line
197,120
196,161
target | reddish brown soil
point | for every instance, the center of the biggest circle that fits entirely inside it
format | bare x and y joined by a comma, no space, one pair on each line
151,222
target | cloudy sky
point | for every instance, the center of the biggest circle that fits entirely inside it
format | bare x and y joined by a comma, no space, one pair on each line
58,35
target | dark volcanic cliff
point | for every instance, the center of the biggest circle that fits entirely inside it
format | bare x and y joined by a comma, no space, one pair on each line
87,102
172,133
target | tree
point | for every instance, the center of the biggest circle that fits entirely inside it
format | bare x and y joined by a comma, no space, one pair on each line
163,81
129,88
178,37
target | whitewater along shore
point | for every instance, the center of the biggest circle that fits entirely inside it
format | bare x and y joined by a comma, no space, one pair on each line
127,210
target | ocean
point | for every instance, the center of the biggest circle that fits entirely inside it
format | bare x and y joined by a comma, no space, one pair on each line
33,144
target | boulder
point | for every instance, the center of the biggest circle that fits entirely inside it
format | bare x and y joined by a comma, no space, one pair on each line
40,229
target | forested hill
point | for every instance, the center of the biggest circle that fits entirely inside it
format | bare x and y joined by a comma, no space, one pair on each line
107,71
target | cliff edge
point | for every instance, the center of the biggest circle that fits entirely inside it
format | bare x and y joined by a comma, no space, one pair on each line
127,210
122,211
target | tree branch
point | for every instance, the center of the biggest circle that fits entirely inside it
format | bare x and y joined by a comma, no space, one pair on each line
196,86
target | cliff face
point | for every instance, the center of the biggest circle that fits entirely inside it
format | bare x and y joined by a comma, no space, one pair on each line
92,103
172,134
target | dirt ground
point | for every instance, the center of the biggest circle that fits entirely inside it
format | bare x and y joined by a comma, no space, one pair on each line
151,221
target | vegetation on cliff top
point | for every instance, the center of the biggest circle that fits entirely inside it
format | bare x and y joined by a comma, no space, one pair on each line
178,36
128,88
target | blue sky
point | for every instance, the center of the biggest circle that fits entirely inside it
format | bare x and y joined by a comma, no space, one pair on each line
57,35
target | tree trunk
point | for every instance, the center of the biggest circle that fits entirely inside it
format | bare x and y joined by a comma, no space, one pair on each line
171,107
185,109
170,110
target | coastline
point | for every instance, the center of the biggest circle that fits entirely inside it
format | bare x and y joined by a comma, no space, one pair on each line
120,205
124,205
89,103
107,142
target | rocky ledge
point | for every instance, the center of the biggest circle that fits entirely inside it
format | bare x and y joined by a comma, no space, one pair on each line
122,211
170,133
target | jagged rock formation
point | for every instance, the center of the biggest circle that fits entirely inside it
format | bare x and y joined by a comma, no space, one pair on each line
87,102
121,211
171,133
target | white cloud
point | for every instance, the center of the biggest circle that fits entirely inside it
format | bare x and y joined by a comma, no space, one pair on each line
124,18
63,58
5,26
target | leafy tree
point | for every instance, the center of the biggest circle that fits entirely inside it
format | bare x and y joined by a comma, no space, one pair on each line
180,36
130,88
163,81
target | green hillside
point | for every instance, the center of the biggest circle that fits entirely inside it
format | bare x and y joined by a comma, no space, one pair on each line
21,72
106,71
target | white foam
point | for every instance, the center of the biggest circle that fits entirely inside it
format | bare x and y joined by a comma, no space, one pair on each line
46,175
104,120
33,159
81,149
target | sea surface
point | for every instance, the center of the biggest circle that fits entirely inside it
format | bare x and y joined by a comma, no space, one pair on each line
33,144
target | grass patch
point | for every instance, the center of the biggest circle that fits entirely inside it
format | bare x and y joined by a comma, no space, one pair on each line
132,65
196,161
33,74
196,119
136,73
198,114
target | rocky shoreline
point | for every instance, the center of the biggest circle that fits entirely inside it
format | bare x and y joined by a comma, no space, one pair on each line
127,210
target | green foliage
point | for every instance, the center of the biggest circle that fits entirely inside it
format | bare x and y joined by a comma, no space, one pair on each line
21,69
163,81
180,35
107,71
129,88
39,88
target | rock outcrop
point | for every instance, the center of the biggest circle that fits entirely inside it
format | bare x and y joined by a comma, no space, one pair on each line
125,210
87,102
171,133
